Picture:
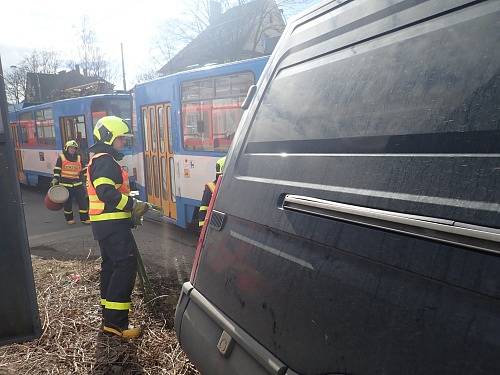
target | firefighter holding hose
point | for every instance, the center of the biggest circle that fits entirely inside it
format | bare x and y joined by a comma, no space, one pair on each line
113,213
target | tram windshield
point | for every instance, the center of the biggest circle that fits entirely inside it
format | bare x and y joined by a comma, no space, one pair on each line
113,107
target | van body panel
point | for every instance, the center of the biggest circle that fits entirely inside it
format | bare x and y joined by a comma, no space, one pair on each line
368,293
241,355
385,105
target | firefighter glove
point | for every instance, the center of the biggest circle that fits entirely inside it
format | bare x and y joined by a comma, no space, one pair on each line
138,211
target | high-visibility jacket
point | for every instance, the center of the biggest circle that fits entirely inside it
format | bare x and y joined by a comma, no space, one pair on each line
69,172
99,210
71,169
205,201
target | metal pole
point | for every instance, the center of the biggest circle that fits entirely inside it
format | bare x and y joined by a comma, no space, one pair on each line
123,70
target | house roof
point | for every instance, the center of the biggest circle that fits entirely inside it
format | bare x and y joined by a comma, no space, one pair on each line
223,40
47,86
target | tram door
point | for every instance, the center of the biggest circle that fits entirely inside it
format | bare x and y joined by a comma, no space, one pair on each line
159,158
73,128
17,149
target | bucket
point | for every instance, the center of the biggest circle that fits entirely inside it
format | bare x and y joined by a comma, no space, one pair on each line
56,197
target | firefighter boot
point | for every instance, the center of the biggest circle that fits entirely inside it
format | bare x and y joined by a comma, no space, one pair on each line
126,334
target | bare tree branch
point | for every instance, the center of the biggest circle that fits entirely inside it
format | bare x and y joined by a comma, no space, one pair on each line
15,85
197,15
147,75
36,62
92,59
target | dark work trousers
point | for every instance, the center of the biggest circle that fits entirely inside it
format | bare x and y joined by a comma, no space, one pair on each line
77,193
118,271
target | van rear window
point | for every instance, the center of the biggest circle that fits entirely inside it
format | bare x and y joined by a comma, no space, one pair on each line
430,92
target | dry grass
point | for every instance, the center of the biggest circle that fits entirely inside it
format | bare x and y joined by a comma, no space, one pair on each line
70,343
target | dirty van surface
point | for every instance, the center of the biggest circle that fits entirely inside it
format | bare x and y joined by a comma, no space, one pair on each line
356,229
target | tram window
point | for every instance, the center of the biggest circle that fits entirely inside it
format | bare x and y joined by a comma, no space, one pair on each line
196,90
74,128
172,179
190,91
113,107
152,176
209,123
206,89
81,133
27,126
240,83
155,172
154,134
147,168
96,116
161,128
45,127
169,127
146,126
222,87
164,178
196,125
226,115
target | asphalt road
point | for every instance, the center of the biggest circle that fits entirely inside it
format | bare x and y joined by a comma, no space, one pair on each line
165,248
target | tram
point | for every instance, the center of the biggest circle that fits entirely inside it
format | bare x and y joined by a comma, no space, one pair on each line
184,122
40,131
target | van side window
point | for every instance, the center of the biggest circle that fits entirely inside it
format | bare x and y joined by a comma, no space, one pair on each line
422,94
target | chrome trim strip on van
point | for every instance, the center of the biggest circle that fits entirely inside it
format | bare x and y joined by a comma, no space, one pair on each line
248,343
371,155
449,231
428,199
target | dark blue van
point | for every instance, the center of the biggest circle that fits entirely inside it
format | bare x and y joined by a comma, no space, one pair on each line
356,229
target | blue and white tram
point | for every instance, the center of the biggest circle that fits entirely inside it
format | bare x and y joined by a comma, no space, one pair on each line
40,131
185,122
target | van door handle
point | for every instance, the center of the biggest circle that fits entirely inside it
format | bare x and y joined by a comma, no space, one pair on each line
468,235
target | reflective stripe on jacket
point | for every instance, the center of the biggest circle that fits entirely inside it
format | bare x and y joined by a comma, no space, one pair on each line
70,169
96,206
211,186
205,201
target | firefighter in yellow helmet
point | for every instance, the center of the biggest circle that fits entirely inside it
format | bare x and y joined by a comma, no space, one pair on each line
209,190
70,173
113,213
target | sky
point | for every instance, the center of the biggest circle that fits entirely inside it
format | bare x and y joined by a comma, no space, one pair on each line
55,25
